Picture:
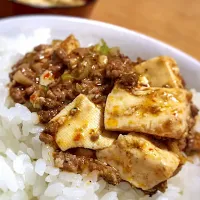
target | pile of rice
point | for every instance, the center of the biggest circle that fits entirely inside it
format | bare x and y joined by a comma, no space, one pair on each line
26,165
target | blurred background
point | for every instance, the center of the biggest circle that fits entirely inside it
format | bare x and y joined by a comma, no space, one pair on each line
175,22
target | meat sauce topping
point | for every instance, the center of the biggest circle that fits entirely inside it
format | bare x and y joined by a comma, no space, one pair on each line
52,76
105,92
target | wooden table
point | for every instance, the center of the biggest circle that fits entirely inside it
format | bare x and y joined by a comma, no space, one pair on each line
176,22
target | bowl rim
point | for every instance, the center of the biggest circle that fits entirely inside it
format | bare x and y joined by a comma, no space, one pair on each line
177,51
50,7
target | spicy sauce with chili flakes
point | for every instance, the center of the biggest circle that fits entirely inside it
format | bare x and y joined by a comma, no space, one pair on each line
60,79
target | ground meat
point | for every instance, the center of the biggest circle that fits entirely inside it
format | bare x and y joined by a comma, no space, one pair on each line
129,80
56,68
51,95
82,164
46,115
191,122
182,143
83,152
29,73
30,90
59,93
48,139
64,91
193,142
47,103
62,55
41,47
160,187
38,67
18,94
194,110
80,70
117,66
52,127
82,51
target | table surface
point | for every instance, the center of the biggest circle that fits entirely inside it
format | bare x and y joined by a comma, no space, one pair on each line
176,22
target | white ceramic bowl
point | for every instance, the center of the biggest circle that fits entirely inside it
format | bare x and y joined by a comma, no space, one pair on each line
131,43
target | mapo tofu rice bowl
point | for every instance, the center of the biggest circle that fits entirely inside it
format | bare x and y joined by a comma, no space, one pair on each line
82,123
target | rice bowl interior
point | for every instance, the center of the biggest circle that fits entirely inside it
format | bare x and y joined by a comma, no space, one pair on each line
26,163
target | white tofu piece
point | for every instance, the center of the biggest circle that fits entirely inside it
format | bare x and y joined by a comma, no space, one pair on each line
160,72
140,160
158,111
69,44
81,125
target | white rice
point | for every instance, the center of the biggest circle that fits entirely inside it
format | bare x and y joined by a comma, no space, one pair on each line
26,168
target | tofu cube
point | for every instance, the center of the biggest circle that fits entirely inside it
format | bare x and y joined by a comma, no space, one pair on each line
162,112
140,160
81,125
160,72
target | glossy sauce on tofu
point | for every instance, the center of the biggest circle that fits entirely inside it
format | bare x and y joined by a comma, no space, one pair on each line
98,107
